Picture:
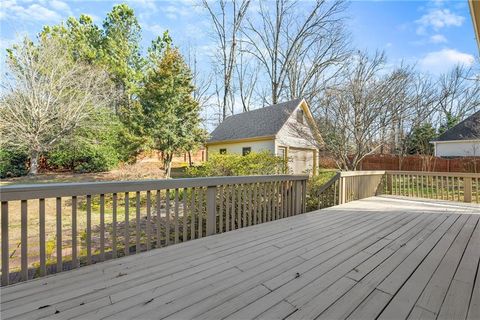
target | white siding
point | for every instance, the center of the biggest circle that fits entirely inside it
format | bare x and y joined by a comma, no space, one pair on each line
236,148
294,134
457,148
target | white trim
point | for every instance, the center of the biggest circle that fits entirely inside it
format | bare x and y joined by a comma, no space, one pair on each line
455,141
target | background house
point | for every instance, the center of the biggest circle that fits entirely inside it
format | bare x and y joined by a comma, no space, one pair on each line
285,129
463,140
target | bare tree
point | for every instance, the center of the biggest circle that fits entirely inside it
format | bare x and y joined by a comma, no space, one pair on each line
294,48
361,107
227,17
247,74
459,93
47,95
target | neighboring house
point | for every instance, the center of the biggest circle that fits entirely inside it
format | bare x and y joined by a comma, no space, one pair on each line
463,140
285,129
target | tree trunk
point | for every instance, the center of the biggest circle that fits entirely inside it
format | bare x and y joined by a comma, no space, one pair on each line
33,163
168,165
190,164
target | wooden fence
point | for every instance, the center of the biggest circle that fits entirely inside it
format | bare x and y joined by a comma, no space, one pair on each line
411,163
93,222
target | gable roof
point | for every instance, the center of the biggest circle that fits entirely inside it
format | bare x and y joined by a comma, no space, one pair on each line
261,122
468,129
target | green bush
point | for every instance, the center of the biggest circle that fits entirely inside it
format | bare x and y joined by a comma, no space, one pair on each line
313,186
91,149
13,162
261,163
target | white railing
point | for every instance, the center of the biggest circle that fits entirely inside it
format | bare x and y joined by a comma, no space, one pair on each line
48,228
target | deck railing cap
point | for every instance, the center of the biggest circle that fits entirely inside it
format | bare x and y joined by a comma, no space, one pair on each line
53,190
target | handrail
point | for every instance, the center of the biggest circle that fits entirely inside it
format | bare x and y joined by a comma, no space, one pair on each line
53,190
329,183
361,173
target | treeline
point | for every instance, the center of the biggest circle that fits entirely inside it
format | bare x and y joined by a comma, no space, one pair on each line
272,51
83,97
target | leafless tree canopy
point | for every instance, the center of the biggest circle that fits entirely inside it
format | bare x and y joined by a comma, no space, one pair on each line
295,45
227,17
47,95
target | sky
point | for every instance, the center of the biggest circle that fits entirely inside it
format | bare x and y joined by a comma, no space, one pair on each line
434,35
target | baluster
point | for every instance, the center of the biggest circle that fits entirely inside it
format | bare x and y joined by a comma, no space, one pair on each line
176,217
127,227
184,216
220,210
149,220
5,245
239,206
43,260
159,218
232,192
89,229
137,222
102,227
167,217
227,208
200,212
192,214
24,240
114,225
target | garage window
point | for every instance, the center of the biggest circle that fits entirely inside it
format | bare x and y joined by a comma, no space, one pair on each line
246,150
223,151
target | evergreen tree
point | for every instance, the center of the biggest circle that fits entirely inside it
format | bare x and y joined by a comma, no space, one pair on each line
419,140
171,116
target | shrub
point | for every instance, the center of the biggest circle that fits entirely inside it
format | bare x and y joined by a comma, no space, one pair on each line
313,186
13,162
91,149
261,163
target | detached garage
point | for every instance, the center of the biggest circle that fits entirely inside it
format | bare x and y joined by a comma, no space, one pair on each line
285,129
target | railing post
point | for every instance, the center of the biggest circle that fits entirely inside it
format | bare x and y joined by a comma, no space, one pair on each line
298,197
211,210
467,189
341,195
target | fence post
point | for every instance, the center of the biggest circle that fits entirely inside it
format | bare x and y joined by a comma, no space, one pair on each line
467,189
5,250
211,210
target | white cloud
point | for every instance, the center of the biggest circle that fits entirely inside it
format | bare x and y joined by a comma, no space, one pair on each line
156,29
34,12
445,59
59,6
437,19
438,38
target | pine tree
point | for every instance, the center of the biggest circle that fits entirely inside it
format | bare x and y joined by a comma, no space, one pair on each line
171,116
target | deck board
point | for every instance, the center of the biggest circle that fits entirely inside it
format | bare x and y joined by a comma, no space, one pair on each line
377,257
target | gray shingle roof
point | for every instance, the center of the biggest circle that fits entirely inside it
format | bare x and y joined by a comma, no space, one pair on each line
468,129
256,123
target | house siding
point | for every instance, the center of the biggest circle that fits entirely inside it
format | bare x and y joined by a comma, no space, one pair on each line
457,148
290,135
236,147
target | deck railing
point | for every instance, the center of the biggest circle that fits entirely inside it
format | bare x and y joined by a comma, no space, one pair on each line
355,185
464,187
48,228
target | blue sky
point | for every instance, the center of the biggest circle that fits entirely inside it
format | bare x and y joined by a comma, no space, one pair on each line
435,35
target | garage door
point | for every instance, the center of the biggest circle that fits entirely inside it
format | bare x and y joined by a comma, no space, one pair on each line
300,161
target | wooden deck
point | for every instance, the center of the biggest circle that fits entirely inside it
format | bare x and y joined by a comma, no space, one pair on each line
374,258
